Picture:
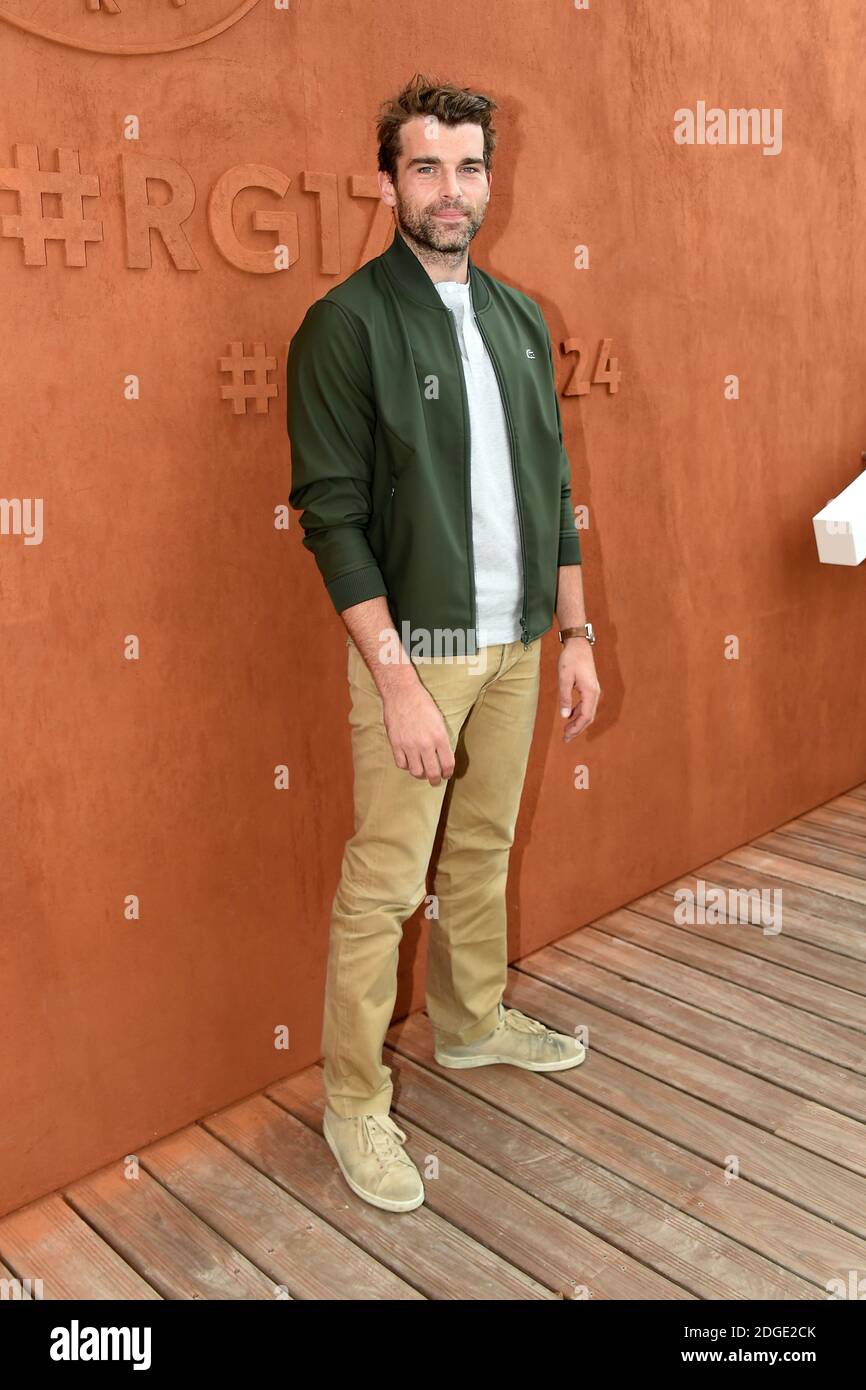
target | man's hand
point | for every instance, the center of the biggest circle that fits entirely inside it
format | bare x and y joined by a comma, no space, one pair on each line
579,690
417,733
413,721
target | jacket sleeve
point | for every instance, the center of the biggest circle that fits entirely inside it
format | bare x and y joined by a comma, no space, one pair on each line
331,421
569,540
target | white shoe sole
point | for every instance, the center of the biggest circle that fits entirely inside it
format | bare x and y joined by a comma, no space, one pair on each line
385,1203
486,1060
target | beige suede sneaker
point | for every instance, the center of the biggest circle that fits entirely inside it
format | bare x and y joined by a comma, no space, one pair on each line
370,1154
517,1040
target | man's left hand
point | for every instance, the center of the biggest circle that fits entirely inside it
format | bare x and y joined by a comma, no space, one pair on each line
579,690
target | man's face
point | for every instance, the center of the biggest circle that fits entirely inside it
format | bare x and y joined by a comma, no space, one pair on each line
440,170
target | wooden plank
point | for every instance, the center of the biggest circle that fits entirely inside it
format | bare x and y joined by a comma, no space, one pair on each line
701,1117
469,1207
847,818
753,1052
47,1240
815,1127
826,881
802,909
781,1231
293,1246
852,827
819,832
804,851
692,1072
781,949
721,959
851,805
177,1253
815,1037
416,1245
547,1156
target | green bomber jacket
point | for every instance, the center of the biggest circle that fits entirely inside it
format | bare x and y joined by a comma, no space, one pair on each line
378,421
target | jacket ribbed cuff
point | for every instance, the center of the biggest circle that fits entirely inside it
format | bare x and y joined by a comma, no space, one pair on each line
569,549
357,586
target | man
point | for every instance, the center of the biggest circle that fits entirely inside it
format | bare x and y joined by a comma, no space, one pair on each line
434,489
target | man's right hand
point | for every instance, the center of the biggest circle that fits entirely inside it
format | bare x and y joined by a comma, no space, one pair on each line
418,734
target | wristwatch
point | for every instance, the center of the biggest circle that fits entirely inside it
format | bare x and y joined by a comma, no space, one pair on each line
585,630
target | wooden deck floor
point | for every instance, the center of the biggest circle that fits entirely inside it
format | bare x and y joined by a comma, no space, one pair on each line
711,1146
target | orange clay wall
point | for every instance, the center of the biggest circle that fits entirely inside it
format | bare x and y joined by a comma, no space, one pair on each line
176,783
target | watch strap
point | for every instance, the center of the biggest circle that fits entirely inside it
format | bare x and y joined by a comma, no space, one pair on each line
585,630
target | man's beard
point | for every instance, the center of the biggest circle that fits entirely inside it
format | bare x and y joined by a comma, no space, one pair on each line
439,237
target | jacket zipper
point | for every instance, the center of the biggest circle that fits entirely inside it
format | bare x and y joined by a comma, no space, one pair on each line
467,475
524,638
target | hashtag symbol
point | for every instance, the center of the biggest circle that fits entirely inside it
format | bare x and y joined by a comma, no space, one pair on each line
31,225
239,389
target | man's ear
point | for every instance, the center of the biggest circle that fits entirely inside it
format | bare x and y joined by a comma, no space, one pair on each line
386,188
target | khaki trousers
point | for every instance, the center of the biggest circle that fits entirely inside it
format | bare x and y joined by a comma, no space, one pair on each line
490,715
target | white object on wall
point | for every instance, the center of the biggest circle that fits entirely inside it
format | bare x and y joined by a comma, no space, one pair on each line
840,527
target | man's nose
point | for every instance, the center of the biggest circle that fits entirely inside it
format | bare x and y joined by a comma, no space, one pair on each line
450,185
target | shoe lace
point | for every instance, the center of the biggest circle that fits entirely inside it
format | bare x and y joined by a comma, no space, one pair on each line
521,1023
382,1136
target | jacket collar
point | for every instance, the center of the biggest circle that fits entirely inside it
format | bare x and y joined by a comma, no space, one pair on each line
404,266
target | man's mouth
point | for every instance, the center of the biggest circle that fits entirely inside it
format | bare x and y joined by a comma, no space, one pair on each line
450,215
